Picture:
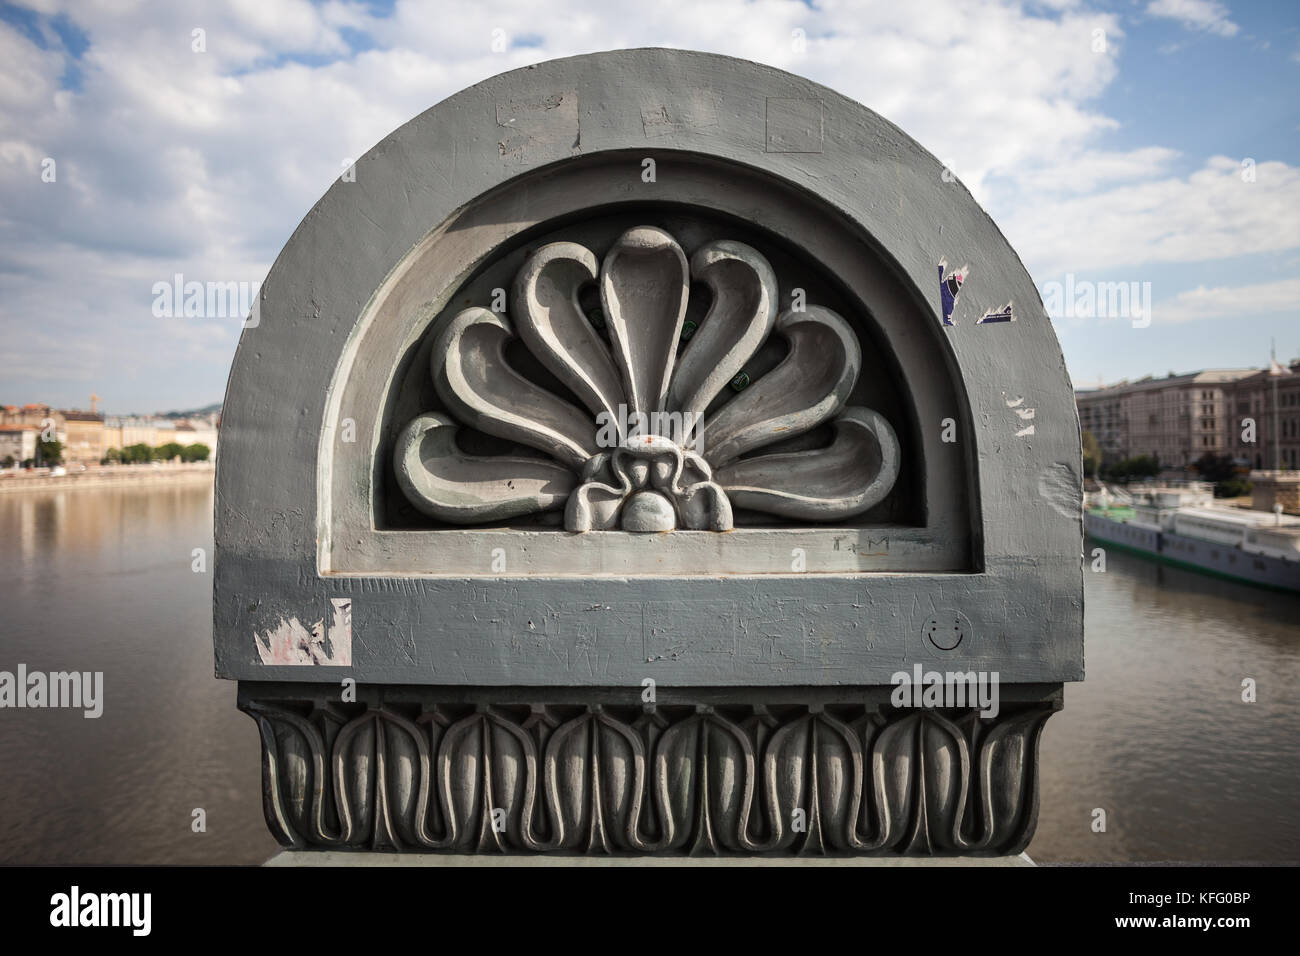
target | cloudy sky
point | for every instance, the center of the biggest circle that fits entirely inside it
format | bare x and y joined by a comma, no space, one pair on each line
1169,157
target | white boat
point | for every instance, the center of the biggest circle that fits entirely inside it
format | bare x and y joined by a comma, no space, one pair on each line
1182,525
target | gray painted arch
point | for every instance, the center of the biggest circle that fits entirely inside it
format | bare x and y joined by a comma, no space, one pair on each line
1020,607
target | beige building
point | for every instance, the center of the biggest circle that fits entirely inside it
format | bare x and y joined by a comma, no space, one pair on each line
23,426
197,432
123,432
18,442
1265,418
1175,419
83,437
32,413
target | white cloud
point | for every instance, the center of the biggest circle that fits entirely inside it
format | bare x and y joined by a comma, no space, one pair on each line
1227,301
1211,214
203,163
1086,171
1195,15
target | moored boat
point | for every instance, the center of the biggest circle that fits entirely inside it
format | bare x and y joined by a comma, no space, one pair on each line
1182,525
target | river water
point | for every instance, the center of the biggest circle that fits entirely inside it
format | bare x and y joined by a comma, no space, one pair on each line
1158,737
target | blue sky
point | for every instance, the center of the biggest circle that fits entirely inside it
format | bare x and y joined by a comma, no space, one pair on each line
1118,164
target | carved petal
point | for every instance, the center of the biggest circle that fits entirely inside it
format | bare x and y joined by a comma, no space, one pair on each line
921,766
472,377
294,781
594,507
1005,778
785,780
854,473
815,766
704,780
488,764
545,310
739,320
705,507
594,772
643,287
382,774
811,384
445,483
840,770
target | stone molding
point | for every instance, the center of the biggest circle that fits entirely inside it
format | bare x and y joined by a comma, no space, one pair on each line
783,779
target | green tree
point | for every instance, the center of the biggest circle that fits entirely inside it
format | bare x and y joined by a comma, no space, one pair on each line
139,452
1091,454
1141,466
1215,468
196,452
49,452
8,462
1233,488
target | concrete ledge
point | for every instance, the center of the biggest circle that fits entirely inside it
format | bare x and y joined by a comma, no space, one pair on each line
338,858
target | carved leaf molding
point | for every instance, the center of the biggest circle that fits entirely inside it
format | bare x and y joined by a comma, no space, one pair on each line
545,779
641,454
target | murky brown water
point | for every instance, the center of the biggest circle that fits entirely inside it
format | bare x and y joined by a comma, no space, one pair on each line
1158,735
101,580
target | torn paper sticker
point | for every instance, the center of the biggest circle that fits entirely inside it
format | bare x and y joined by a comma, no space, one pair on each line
949,288
293,643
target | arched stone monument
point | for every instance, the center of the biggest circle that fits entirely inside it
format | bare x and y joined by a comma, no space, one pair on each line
607,447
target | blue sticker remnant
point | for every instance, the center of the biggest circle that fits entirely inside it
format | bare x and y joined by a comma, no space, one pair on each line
998,315
949,287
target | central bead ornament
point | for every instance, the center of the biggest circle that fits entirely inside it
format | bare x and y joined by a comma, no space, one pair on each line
648,511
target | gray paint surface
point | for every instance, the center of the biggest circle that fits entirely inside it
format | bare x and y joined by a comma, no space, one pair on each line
279,490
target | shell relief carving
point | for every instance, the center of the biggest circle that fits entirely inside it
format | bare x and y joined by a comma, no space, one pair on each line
640,454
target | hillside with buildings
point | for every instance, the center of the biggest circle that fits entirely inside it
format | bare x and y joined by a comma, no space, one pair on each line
90,437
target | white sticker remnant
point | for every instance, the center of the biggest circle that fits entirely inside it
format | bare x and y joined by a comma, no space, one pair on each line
1004,314
293,644
1024,413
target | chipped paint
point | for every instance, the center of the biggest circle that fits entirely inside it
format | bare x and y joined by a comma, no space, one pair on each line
1023,412
539,128
292,643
